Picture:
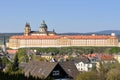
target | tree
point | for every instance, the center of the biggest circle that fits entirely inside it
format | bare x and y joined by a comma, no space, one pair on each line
87,76
22,55
1,64
15,65
114,50
113,74
26,58
101,71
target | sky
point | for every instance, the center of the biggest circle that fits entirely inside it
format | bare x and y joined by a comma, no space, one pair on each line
62,15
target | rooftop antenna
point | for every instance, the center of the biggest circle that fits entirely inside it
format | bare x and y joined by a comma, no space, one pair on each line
5,50
4,45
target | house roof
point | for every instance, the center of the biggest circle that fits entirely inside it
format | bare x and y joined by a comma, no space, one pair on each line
64,36
83,59
12,51
39,68
43,69
101,56
46,54
69,68
106,57
91,55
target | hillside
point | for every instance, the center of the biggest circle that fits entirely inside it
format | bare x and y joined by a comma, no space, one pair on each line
7,35
104,32
117,32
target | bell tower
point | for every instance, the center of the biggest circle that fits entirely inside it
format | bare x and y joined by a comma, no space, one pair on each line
27,29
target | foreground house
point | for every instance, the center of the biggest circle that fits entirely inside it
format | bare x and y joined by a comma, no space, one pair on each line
58,71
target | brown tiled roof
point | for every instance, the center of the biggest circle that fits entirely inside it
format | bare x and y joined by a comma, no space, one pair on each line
39,69
70,68
43,69
69,37
83,59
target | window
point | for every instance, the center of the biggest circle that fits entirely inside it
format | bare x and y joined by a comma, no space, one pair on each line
56,73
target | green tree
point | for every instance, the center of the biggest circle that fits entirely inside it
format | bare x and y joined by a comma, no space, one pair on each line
113,74
22,55
15,64
114,50
5,61
1,64
101,71
87,76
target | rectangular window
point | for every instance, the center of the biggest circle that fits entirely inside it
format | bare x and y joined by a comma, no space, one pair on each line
56,73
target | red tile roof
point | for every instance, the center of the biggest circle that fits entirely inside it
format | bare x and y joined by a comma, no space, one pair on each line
69,37
101,56
91,37
91,55
12,51
35,37
106,57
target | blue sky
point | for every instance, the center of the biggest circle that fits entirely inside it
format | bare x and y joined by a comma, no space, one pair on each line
62,15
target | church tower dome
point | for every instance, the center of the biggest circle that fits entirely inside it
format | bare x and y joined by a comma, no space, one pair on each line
43,27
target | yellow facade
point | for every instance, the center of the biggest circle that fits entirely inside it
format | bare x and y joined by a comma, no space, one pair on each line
61,41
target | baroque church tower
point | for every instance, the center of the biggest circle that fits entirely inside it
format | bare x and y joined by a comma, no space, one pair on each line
43,30
43,27
27,29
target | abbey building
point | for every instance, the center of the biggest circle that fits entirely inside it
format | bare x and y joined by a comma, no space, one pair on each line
45,38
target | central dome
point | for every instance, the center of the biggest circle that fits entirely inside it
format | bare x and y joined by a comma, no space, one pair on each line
43,25
27,24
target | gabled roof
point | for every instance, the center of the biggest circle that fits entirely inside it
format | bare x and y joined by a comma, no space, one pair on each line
44,69
83,59
39,68
69,68
101,56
